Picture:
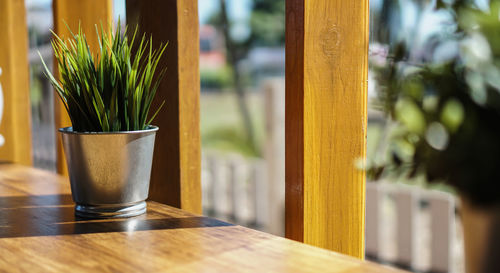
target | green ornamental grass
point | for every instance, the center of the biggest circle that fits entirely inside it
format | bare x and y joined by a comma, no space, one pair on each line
112,91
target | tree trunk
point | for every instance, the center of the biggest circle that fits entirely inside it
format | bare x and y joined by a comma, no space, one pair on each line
233,58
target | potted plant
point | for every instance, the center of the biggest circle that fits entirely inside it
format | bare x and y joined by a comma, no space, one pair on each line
446,115
109,146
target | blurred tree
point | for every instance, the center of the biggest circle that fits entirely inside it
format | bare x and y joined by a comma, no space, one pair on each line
267,28
388,18
267,23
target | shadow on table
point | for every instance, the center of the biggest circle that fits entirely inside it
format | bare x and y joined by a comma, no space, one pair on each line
50,215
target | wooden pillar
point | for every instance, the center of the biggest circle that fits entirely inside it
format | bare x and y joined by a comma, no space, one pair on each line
87,14
15,123
175,177
326,94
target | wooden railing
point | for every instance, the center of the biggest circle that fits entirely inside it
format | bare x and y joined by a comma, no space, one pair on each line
326,92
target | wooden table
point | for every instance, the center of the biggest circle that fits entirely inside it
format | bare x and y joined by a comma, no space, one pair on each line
39,233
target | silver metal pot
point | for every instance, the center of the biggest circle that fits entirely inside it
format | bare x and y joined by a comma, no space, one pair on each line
109,171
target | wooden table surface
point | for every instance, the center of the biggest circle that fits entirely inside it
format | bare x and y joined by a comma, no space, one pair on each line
39,233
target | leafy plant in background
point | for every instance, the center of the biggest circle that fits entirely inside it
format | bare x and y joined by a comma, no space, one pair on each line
112,91
447,113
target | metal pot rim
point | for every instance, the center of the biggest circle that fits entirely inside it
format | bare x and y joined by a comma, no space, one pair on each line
69,130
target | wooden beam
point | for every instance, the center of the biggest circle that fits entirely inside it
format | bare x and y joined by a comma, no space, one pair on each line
175,178
87,14
15,123
326,94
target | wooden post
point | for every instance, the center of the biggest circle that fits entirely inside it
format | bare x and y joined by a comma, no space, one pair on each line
15,123
175,178
87,14
326,98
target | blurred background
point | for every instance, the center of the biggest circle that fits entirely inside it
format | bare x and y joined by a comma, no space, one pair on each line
242,68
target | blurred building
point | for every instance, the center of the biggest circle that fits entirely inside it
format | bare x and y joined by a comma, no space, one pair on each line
212,51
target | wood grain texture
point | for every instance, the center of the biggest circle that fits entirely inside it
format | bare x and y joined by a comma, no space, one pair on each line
176,172
15,125
85,14
39,233
326,94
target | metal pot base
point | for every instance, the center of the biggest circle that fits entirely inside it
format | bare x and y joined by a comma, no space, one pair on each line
107,211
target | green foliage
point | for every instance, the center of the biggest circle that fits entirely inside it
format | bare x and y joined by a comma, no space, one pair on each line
221,127
386,23
112,91
267,23
448,114
228,139
216,78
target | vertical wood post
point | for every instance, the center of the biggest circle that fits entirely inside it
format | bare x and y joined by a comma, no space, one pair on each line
175,177
326,94
15,124
86,14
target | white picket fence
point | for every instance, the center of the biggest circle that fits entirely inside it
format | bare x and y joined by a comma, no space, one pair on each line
406,226
236,190
413,228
